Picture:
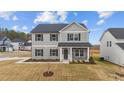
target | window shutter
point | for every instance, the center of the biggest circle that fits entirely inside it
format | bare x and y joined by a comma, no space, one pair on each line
79,37
68,37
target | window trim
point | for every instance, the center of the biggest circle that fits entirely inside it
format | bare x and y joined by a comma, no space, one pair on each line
37,38
38,52
54,38
53,52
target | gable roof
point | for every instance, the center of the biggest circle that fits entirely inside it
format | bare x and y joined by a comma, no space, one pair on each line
51,28
121,45
118,33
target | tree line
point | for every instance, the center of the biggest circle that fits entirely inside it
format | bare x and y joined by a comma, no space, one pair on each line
12,34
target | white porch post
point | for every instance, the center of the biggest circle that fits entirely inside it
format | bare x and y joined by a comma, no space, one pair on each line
60,54
88,54
70,53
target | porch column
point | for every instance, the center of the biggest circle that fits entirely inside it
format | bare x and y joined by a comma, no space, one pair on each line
88,54
70,53
60,54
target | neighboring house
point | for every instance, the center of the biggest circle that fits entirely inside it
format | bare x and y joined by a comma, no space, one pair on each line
5,44
27,46
65,42
112,45
17,44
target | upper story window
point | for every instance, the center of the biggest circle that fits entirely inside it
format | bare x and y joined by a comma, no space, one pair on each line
39,37
73,37
77,37
109,43
53,37
70,37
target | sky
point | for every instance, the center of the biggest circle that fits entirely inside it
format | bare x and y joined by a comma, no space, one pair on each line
96,21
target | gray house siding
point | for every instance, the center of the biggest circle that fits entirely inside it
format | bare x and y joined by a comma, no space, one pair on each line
46,53
46,39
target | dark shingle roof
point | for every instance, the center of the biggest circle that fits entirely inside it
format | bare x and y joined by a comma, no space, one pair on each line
118,33
86,44
121,45
27,44
18,40
50,28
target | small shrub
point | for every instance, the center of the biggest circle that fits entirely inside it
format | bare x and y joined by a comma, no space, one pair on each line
101,59
91,60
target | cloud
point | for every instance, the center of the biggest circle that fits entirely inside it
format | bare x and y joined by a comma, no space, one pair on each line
75,13
15,27
100,22
85,22
62,16
24,28
103,16
6,15
14,18
51,17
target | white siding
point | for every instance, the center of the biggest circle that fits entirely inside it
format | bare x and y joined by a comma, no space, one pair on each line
115,53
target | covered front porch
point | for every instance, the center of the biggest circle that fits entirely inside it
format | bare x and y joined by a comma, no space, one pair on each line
74,53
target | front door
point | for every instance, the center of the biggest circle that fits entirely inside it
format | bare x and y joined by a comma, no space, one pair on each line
65,53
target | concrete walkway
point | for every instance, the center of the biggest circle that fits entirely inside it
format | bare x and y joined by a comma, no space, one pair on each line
14,58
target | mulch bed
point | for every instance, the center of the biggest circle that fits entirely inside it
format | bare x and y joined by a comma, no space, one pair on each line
42,60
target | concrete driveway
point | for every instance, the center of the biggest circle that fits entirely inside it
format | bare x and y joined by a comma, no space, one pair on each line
15,54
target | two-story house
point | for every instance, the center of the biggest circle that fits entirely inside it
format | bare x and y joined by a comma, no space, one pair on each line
5,44
65,42
112,45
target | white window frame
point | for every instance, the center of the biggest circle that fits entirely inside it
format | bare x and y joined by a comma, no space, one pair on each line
55,38
38,52
53,52
38,38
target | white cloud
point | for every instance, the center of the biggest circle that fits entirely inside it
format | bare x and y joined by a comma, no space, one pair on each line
100,22
75,13
15,27
6,15
14,18
51,17
85,22
24,28
62,16
103,16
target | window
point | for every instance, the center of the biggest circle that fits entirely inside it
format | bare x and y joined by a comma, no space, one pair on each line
38,52
53,52
110,43
53,37
74,37
81,52
76,52
39,37
70,37
77,37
